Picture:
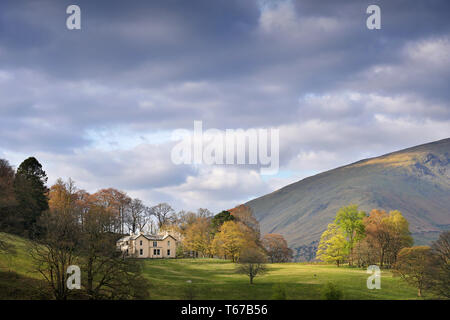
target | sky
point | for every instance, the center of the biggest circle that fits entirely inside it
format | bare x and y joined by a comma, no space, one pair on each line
100,104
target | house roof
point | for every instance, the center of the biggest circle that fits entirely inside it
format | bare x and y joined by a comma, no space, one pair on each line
151,237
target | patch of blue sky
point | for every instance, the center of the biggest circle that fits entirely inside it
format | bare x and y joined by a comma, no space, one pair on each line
108,139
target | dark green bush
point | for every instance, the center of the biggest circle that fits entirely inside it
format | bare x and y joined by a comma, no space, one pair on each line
279,292
332,292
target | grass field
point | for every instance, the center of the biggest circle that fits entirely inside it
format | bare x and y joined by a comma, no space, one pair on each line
216,279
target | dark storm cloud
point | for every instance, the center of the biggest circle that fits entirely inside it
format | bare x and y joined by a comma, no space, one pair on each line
117,36
231,45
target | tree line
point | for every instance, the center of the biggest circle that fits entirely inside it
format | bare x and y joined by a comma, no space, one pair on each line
227,235
360,239
381,238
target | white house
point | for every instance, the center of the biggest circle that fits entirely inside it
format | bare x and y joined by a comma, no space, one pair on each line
152,246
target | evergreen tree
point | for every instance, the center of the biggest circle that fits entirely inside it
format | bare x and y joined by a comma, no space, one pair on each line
31,194
219,219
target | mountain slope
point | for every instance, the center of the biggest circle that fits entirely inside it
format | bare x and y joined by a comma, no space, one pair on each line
415,181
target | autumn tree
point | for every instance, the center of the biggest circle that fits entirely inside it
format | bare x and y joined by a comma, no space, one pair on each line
333,245
414,265
401,236
229,241
63,195
9,219
244,214
388,233
105,272
441,275
365,253
277,248
31,193
252,262
117,205
350,220
6,184
378,233
198,237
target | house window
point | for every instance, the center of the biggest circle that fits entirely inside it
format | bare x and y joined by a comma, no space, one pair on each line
168,252
156,252
155,243
141,252
140,242
168,243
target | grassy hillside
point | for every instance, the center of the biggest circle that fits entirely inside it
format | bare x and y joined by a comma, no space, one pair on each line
215,279
18,279
415,181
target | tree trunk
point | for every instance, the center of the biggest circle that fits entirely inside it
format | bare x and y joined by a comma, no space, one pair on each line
350,260
381,257
90,279
419,292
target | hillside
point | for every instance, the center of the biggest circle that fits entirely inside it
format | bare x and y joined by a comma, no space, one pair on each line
415,181
18,277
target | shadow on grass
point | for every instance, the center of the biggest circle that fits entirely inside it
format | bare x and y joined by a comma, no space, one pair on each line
14,286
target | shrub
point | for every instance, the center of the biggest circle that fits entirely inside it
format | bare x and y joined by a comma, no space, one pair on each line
332,292
189,292
279,292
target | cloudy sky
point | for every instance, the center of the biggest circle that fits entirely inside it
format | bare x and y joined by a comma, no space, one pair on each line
100,104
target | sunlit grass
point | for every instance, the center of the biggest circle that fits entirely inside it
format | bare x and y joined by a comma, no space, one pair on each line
216,279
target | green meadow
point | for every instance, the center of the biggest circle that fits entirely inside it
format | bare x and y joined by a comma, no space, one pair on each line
215,279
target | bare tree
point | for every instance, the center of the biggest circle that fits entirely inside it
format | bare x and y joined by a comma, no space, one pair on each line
138,215
163,213
107,274
251,263
56,250
204,213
